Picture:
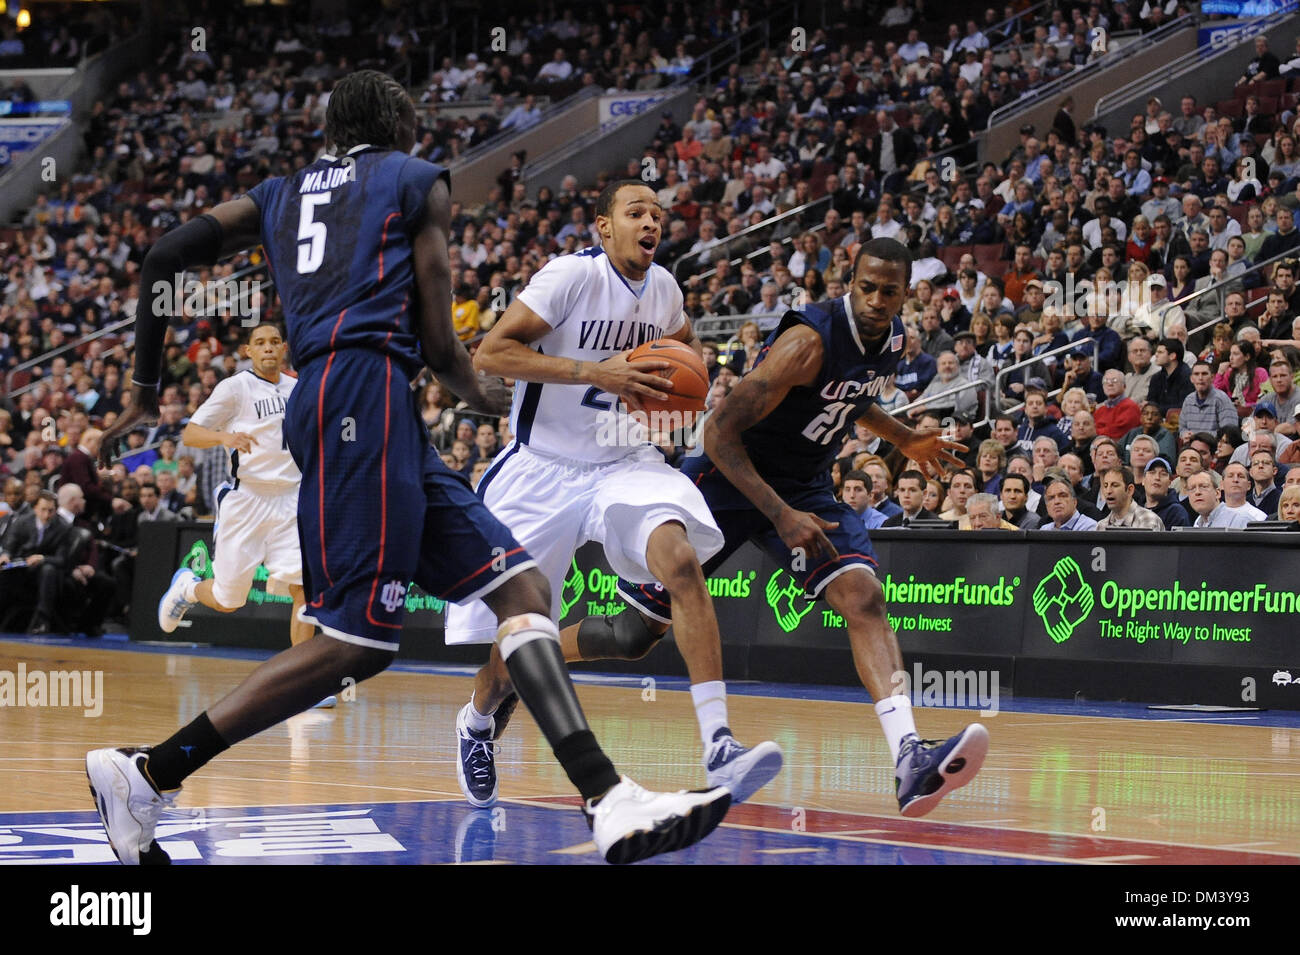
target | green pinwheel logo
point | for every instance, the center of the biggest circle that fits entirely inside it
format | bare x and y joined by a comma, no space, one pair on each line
1063,599
572,591
787,600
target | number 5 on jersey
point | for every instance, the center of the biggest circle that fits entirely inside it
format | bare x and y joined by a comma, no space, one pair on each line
311,234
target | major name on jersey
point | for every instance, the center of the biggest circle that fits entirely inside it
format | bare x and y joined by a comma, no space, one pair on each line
849,390
331,178
265,407
609,335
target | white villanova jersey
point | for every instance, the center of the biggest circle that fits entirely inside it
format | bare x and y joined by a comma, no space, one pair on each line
249,404
593,313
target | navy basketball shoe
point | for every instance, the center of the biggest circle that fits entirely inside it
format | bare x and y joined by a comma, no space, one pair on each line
741,770
476,769
927,770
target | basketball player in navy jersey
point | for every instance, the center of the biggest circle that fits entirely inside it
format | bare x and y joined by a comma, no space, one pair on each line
765,473
357,243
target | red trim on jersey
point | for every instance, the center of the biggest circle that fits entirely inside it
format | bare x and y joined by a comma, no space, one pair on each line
383,497
867,557
457,584
320,456
383,240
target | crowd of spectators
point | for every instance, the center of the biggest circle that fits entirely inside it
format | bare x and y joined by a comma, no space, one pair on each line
1080,237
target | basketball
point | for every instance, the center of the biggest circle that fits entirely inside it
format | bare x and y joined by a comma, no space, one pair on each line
687,372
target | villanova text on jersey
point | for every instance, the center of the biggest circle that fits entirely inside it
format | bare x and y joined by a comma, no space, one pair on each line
265,407
798,442
611,336
338,237
592,312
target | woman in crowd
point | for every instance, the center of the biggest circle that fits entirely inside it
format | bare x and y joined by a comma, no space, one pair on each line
1072,402
1220,346
981,327
811,254
1183,282
932,501
745,348
990,462
1288,505
1241,376
1227,440
841,268
1022,348
915,305
1021,232
814,286
1286,158
945,228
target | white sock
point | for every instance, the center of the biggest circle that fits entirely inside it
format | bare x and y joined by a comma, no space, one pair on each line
189,588
710,708
895,713
476,720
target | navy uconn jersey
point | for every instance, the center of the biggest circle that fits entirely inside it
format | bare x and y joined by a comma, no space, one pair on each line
795,445
338,237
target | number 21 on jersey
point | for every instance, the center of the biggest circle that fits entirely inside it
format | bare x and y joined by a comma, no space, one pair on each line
826,425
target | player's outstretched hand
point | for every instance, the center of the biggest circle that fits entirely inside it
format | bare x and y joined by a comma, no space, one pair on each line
803,533
494,396
930,449
238,441
142,413
630,382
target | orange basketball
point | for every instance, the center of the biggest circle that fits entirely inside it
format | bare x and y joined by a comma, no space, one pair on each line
687,373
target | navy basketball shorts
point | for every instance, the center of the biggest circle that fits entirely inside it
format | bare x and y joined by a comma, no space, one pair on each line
378,509
741,524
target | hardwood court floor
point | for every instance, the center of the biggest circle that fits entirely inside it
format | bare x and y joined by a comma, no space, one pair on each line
1057,787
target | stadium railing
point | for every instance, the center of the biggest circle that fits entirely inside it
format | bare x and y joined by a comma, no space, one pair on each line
929,401
1084,84
1026,366
123,326
1204,61
1135,44
1220,291
798,214
1027,18
708,66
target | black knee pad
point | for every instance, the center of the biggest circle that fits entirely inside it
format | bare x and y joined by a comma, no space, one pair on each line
626,636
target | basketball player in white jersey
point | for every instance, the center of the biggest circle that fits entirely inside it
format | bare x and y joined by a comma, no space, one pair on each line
576,472
257,510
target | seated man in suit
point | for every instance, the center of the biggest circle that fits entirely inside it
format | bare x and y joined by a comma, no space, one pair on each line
85,592
38,539
910,491
152,507
11,504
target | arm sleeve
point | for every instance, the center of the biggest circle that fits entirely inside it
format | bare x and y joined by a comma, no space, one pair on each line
552,292
198,242
219,410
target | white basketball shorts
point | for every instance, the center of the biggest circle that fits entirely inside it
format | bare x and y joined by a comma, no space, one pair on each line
555,505
255,527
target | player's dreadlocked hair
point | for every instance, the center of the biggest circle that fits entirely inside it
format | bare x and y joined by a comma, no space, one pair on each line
368,107
890,250
605,201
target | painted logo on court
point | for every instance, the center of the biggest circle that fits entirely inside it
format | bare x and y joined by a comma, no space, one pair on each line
787,600
1063,599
